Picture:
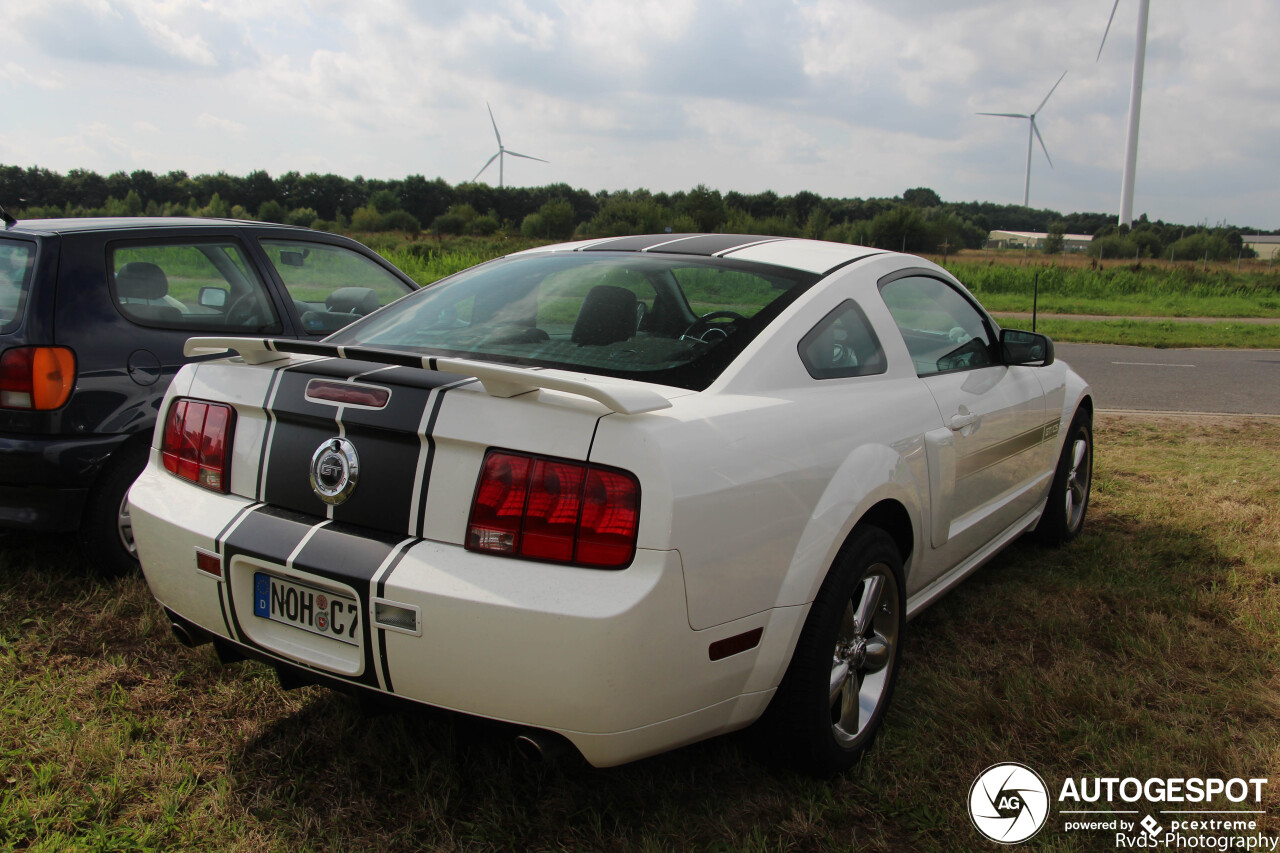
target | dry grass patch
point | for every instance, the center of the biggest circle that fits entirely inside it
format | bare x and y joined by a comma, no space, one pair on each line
1150,647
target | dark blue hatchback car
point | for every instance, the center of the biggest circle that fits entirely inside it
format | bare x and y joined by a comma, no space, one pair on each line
93,317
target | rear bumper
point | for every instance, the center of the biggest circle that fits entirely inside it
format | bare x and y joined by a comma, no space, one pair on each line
606,659
44,481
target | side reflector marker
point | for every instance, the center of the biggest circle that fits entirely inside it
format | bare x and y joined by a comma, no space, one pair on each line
208,563
395,616
729,646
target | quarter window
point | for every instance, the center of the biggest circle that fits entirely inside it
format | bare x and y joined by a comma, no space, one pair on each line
942,329
16,262
331,286
199,287
842,344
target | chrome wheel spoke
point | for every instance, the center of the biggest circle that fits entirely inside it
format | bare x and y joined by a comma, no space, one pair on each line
872,588
841,675
1077,456
849,708
124,526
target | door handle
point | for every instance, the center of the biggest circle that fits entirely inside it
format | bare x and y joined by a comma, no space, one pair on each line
962,420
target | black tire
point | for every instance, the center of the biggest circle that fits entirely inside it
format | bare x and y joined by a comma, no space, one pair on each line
106,536
836,691
1064,513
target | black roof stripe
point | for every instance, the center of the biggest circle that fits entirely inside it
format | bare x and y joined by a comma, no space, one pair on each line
704,245
714,244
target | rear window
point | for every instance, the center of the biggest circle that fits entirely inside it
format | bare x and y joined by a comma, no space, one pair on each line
675,320
331,285
17,262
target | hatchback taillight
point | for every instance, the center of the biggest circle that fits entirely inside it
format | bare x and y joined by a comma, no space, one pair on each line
554,509
39,378
197,443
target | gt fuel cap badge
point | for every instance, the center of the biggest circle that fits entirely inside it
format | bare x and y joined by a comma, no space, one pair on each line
335,468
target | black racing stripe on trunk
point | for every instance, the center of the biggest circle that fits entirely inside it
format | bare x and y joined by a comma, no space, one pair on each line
634,244
269,533
421,521
289,475
332,368
711,244
384,490
270,433
346,553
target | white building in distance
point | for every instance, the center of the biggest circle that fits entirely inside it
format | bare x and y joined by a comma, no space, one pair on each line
1035,240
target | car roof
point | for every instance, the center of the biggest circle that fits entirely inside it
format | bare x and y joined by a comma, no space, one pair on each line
814,256
129,223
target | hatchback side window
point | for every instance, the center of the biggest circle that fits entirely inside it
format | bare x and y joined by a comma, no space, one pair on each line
942,329
205,286
842,344
330,285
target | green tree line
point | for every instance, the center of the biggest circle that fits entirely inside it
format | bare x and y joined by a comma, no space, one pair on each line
917,221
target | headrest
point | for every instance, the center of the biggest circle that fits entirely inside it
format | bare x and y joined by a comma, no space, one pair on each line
352,300
607,315
141,280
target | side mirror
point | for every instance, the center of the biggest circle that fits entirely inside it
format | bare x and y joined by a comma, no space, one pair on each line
1029,348
212,297
293,259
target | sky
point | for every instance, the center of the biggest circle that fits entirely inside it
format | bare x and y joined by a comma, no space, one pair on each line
844,98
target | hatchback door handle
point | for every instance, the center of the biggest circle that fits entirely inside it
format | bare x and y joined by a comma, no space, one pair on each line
962,420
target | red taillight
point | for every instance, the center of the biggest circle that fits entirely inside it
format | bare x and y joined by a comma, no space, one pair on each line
554,509
39,378
197,443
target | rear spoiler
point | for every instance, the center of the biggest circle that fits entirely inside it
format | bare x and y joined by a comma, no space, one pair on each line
499,380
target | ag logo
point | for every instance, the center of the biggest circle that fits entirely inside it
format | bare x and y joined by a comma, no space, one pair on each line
1008,803
335,468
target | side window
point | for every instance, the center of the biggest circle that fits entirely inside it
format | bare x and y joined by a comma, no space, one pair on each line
17,259
330,285
942,329
197,286
842,344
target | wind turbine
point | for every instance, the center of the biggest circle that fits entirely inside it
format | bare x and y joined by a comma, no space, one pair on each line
1032,132
1135,108
502,152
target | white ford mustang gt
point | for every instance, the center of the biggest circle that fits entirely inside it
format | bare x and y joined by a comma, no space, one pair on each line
634,491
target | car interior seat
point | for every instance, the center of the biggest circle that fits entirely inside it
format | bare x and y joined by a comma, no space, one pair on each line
138,285
607,315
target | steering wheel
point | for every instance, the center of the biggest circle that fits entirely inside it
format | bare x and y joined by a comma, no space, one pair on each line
705,324
243,312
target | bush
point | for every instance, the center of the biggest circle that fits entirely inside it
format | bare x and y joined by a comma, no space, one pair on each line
401,220
366,219
272,211
303,216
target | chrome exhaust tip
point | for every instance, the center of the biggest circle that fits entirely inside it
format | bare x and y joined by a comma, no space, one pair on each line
539,746
183,635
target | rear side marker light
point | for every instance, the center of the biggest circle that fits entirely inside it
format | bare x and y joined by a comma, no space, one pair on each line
39,378
196,443
209,563
555,510
721,649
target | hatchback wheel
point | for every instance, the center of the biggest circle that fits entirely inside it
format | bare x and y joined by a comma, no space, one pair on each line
106,535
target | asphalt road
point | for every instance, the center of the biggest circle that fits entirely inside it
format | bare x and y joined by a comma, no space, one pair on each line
1216,381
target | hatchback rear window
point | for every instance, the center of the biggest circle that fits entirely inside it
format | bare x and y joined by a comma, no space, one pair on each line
17,262
671,319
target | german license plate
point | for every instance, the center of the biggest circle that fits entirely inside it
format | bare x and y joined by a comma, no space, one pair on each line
318,611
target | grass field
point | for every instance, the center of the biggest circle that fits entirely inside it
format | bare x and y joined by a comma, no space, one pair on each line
1150,647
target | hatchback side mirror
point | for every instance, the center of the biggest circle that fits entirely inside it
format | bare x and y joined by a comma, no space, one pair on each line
212,297
1029,348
